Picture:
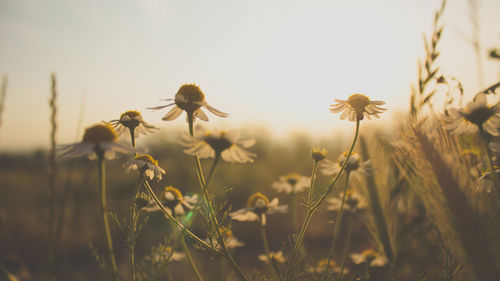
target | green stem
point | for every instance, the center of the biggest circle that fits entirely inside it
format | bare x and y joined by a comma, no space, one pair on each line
175,221
133,221
313,208
190,259
104,212
293,211
265,243
337,228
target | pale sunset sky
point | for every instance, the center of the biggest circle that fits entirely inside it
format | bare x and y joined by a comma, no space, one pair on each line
278,63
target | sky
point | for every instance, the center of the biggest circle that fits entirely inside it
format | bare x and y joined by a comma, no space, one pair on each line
274,63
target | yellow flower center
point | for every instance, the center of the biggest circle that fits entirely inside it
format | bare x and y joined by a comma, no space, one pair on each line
219,142
318,154
358,102
479,115
174,191
369,254
146,158
99,133
353,162
293,178
189,97
130,119
324,262
257,200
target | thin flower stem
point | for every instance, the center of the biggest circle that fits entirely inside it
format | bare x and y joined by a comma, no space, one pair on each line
190,259
170,217
346,249
336,231
293,211
206,196
132,136
104,212
313,208
265,243
133,217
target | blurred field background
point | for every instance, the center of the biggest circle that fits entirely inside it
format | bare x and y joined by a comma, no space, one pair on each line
278,95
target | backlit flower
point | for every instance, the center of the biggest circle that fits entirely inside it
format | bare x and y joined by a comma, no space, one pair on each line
166,253
276,256
146,164
189,98
99,140
132,121
174,202
291,183
318,154
354,165
353,201
322,265
229,239
357,107
258,207
225,144
369,256
476,114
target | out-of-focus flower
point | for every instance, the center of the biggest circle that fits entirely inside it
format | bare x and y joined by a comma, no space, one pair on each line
354,165
276,256
99,140
230,240
291,183
189,98
369,256
322,265
168,254
318,154
357,107
258,207
476,114
353,202
146,164
207,144
174,202
132,120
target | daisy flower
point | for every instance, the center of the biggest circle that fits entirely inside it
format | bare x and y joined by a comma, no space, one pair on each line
353,201
369,256
230,240
99,140
318,154
189,98
276,256
354,165
291,183
258,207
207,144
132,121
357,107
145,164
168,254
322,265
174,202
475,115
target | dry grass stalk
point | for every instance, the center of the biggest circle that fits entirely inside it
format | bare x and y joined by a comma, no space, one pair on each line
3,95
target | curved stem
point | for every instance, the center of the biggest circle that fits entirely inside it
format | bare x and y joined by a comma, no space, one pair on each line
337,228
104,212
314,207
175,221
190,259
265,243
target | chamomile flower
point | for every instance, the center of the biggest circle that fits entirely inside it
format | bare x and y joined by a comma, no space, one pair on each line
230,240
174,202
318,154
353,202
191,99
369,256
291,183
276,256
146,164
357,107
354,165
166,253
224,144
132,121
258,207
323,264
476,114
99,140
